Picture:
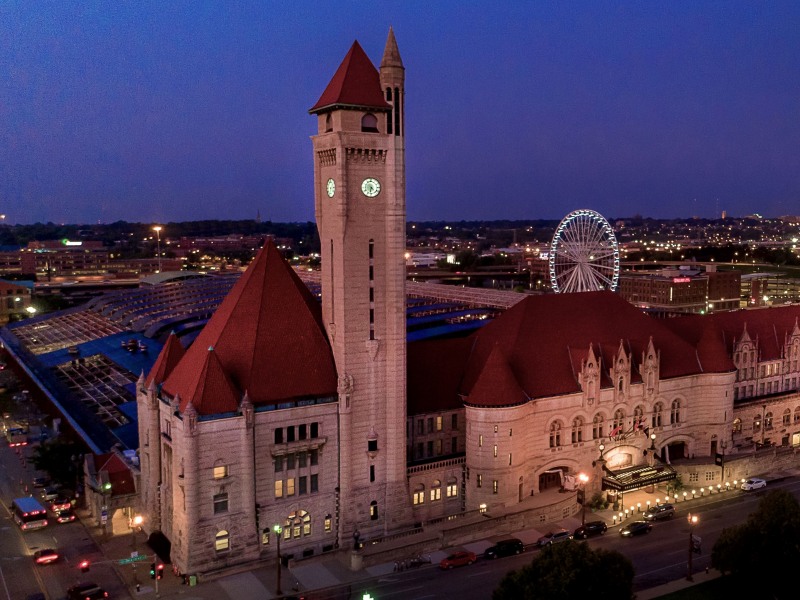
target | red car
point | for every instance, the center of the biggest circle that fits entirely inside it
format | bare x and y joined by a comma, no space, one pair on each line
60,504
458,559
45,556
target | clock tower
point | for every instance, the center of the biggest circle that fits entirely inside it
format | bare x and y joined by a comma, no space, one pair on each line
359,191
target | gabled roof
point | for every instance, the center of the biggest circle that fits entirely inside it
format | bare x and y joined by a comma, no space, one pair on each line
119,473
268,338
212,392
356,83
544,336
496,385
170,355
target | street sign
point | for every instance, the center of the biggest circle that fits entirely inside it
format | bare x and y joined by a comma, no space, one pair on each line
103,519
132,559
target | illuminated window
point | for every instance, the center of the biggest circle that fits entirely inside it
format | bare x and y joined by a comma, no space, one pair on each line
373,510
479,480
279,489
494,451
328,523
436,490
438,423
452,490
297,524
222,541
290,486
419,495
265,535
494,486
480,441
220,472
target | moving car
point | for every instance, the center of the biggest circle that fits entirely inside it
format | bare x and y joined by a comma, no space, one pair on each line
59,504
458,559
635,528
40,482
553,537
505,548
45,556
86,591
753,484
65,516
50,493
661,511
589,529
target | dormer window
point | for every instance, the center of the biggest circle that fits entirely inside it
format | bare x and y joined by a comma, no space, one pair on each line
369,123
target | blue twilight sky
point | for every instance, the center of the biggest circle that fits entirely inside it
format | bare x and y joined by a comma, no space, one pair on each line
157,111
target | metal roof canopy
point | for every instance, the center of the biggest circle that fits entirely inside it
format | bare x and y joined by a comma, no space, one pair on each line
633,478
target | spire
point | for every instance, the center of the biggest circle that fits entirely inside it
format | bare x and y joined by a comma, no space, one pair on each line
391,55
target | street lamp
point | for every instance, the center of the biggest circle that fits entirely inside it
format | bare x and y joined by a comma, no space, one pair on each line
692,519
136,522
583,477
278,530
157,229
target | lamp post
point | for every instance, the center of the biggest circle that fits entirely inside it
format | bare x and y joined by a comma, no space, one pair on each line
692,519
136,522
583,477
157,229
278,530
724,445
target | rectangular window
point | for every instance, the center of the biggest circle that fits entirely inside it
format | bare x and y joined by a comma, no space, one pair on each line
301,459
439,447
420,450
328,524
430,448
420,426
430,424
371,473
314,456
290,433
278,464
452,490
302,483
220,503
494,452
454,421
279,489
436,494
494,486
314,483
479,480
265,535
480,441
290,462
314,430
509,459
438,423
372,445
290,486
454,445
419,497
279,435
302,431
220,472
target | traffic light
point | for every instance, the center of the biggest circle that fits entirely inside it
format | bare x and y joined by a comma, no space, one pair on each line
84,566
156,571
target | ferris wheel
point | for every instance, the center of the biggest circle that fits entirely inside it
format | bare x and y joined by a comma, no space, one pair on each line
584,255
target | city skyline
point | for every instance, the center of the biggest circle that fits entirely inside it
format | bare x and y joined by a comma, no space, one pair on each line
147,114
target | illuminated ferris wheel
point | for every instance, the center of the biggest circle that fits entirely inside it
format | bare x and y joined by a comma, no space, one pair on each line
584,255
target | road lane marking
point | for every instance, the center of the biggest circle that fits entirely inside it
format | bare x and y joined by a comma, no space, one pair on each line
5,587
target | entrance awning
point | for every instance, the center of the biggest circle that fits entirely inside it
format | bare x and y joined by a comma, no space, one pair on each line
626,480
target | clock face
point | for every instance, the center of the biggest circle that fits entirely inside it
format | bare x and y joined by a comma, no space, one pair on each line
371,187
331,187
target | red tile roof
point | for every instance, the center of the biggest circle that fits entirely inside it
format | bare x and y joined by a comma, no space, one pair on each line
119,473
169,356
211,392
496,385
544,336
435,370
268,338
355,83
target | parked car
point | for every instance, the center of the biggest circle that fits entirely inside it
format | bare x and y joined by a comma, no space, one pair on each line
553,537
86,591
635,528
59,504
589,529
505,548
458,559
40,482
753,483
45,556
661,511
65,516
50,493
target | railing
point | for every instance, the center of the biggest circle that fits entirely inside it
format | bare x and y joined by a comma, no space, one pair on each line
439,464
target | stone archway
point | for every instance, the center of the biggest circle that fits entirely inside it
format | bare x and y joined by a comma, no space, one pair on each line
552,478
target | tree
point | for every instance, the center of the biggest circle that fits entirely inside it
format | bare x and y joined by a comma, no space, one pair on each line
765,548
570,570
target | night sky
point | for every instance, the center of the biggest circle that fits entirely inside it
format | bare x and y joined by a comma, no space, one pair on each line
176,111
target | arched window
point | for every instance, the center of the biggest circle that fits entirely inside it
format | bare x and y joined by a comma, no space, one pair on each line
768,421
577,430
787,417
620,384
298,523
737,425
757,423
638,417
658,408
328,123
369,123
597,426
436,490
675,413
222,541
619,422
555,434
373,510
797,415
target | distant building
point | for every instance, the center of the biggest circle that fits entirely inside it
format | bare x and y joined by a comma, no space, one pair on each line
15,300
